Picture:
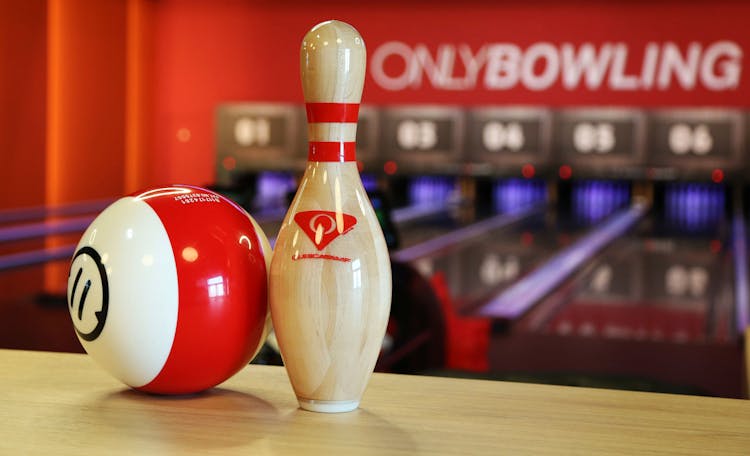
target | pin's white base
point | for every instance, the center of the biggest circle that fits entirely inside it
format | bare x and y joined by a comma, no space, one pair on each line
327,406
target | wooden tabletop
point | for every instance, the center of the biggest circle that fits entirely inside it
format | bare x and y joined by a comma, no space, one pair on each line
52,403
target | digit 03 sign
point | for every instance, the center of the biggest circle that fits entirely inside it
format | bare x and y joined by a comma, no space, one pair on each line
424,138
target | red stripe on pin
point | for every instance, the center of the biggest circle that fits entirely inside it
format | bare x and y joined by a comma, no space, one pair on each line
321,151
332,112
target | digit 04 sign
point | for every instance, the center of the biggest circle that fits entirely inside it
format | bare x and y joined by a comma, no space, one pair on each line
506,139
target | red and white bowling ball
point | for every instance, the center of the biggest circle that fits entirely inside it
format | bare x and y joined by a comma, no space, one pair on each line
168,289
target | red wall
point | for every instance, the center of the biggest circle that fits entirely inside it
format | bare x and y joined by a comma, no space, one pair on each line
211,52
23,79
100,97
85,109
86,100
137,82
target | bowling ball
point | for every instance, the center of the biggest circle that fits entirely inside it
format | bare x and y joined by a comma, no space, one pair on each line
168,289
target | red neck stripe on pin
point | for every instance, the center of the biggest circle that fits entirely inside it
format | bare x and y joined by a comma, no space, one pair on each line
332,112
321,151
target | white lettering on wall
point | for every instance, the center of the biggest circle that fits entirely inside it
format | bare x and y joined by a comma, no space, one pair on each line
543,54
502,66
713,66
675,65
726,57
586,63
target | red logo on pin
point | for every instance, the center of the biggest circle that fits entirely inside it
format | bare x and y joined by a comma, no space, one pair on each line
322,227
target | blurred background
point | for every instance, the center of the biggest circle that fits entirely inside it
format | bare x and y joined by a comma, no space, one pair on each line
561,183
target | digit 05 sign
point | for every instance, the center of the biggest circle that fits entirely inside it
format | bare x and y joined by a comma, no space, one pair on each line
605,141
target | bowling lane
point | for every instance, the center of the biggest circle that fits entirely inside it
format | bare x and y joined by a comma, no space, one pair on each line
426,207
455,211
677,261
475,269
656,308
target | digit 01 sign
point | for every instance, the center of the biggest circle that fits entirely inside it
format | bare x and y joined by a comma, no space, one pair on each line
508,138
605,141
693,141
257,137
252,131
423,139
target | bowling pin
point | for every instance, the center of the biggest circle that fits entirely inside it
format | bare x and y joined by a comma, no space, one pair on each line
330,285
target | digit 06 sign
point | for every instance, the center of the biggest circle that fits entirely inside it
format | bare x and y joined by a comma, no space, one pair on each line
695,141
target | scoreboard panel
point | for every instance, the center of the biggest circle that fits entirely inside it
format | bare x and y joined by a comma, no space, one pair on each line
257,137
694,141
613,143
423,139
605,142
502,140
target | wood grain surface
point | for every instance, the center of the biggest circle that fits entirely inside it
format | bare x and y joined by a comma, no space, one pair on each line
330,316
332,63
63,404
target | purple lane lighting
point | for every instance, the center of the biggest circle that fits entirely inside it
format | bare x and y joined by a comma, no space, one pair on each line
38,212
431,190
513,195
45,228
369,181
694,206
34,257
272,189
596,200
